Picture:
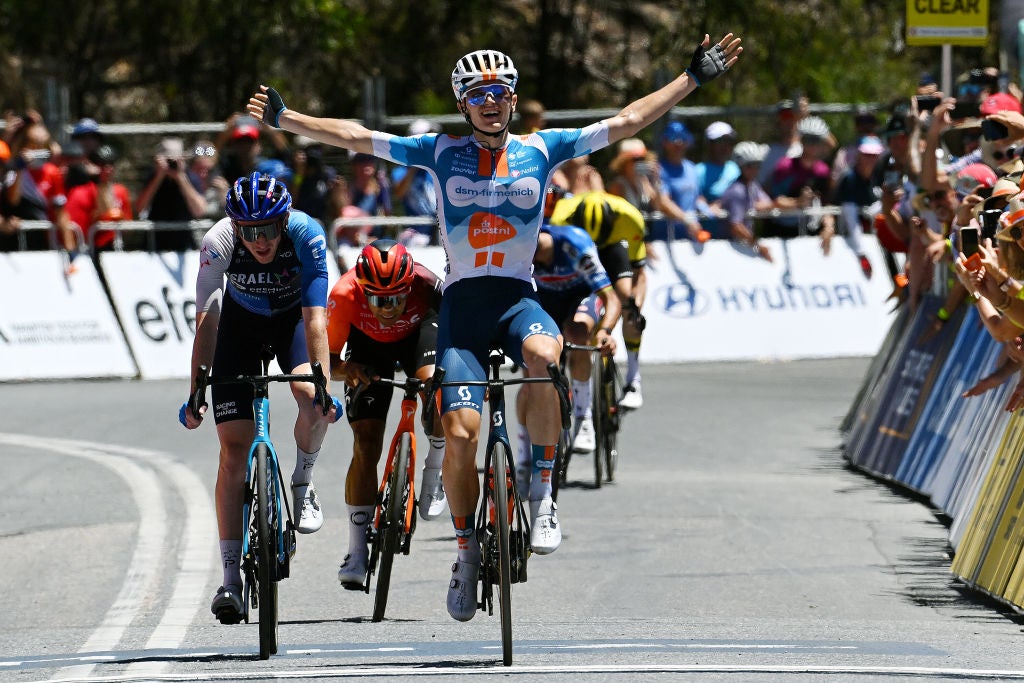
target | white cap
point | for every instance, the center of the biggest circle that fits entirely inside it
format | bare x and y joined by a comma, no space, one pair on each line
422,126
719,129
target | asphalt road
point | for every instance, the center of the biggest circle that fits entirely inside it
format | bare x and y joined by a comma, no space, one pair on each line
734,545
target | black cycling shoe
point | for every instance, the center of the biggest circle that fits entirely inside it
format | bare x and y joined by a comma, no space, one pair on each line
227,604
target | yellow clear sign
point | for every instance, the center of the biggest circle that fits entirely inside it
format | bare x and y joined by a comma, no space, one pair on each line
953,22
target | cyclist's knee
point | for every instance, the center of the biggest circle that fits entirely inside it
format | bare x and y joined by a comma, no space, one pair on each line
539,351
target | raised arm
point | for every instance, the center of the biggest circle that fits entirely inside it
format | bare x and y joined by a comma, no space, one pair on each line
267,105
707,63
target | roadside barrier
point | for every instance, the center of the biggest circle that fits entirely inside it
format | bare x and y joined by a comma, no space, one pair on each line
911,426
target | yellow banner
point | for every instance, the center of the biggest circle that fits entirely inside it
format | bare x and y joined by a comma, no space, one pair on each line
953,22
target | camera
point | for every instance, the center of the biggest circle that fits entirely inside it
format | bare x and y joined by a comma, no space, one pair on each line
965,109
927,102
993,130
172,164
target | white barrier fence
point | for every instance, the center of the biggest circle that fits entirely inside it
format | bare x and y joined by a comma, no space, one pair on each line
705,302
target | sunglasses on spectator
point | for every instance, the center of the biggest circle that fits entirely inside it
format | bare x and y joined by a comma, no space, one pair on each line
253,231
478,96
386,301
999,155
1016,232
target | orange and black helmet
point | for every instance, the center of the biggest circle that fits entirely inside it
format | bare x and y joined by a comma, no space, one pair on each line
385,267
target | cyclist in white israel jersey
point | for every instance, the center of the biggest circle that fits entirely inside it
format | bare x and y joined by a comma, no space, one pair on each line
490,185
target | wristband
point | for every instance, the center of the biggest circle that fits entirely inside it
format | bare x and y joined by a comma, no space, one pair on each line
949,245
1020,294
943,314
608,330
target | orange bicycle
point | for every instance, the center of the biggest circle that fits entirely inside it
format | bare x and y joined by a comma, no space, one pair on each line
394,519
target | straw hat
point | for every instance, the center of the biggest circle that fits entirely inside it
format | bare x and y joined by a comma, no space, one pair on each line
630,149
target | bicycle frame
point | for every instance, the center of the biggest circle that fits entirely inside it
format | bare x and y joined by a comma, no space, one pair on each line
406,425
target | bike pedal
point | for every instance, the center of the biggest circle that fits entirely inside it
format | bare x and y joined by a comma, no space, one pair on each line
228,617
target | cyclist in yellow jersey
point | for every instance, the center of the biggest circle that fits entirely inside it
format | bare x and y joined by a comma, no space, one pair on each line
617,227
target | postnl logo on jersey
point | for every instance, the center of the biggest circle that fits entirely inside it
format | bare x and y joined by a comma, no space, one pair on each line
486,229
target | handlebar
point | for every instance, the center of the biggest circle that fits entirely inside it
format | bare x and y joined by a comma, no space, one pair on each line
555,376
259,383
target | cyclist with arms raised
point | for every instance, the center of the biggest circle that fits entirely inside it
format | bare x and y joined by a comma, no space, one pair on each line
262,283
617,228
385,311
490,187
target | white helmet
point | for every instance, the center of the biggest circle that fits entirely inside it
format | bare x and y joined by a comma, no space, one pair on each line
748,152
483,66
813,126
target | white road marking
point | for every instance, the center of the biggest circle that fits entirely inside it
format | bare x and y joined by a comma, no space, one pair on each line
150,554
427,670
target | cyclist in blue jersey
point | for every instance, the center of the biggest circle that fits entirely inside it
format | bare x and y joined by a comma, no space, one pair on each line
490,188
262,283
576,291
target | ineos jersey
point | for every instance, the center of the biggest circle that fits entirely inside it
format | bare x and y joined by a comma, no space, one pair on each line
347,309
576,263
296,276
490,202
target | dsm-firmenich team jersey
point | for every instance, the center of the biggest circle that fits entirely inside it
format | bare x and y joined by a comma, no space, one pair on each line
296,276
490,202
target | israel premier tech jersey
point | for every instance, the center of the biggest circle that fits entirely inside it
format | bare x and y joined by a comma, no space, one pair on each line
576,265
491,202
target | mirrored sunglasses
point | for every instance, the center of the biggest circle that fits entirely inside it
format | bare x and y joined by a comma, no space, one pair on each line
386,301
478,96
254,231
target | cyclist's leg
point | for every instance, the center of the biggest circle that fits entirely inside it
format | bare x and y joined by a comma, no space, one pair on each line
310,425
237,352
633,324
432,496
580,331
367,417
540,345
467,319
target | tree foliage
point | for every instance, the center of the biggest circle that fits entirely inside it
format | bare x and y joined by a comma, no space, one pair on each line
188,60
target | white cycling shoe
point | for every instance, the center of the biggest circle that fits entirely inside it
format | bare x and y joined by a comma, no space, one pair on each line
633,398
432,498
586,439
352,573
545,531
462,604
307,508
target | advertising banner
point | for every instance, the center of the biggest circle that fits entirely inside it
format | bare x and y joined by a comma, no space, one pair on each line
55,325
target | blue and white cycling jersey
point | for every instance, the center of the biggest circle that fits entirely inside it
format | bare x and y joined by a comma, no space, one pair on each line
490,202
296,276
576,264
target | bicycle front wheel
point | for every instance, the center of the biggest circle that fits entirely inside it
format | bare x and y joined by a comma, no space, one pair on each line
611,394
396,498
267,521
500,495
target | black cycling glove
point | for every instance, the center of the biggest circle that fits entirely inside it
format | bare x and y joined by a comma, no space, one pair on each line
707,64
275,105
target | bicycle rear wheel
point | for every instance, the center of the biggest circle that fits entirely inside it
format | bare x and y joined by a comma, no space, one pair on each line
267,522
598,411
396,497
500,494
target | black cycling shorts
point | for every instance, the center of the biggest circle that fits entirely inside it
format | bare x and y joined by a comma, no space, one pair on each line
242,337
615,259
416,351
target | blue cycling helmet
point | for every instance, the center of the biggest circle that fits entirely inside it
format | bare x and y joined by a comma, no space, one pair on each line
257,197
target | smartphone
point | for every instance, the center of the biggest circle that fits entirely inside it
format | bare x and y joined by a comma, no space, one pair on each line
927,102
990,223
965,109
969,241
892,180
993,130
